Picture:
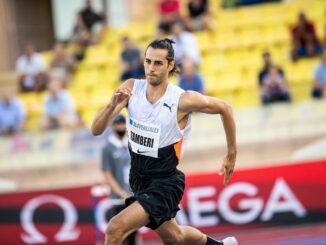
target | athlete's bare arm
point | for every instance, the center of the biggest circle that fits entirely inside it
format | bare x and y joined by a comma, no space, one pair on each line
118,101
196,102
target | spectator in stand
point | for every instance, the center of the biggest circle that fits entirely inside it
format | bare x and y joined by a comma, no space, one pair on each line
169,13
12,114
267,58
89,17
274,87
59,110
198,18
319,86
82,38
132,65
304,39
185,45
31,69
62,63
190,79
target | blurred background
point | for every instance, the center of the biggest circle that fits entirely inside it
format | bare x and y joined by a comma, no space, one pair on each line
62,60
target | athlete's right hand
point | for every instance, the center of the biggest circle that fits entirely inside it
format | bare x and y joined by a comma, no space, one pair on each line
227,167
121,95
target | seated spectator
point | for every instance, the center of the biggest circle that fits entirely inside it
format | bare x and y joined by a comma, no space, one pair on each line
12,114
132,65
89,17
185,45
274,87
189,78
198,18
62,63
82,38
31,69
169,14
267,58
319,86
59,110
304,39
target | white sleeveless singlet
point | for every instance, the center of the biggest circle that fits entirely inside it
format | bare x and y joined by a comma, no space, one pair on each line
154,126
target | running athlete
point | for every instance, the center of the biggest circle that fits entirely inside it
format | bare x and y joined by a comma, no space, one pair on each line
159,122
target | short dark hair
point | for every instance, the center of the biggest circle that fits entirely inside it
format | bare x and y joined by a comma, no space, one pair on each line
166,44
119,119
266,53
125,38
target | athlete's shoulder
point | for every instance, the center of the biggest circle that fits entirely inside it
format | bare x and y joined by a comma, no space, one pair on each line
190,100
190,95
128,83
176,88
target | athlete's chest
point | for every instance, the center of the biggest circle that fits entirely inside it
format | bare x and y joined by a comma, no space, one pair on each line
149,123
160,114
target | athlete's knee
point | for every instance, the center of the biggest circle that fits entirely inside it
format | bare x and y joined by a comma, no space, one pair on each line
114,230
174,238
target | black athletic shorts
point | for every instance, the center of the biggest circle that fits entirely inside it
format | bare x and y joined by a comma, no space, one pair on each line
157,185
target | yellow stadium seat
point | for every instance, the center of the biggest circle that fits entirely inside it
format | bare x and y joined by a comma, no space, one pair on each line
88,116
247,98
47,56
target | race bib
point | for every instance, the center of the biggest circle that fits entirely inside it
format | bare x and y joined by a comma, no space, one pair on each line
144,138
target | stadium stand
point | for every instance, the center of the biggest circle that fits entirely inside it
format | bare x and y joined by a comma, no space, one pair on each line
231,56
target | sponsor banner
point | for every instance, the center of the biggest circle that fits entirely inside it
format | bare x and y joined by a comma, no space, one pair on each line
254,198
47,217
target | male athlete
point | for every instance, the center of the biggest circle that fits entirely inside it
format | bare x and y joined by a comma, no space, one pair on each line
159,122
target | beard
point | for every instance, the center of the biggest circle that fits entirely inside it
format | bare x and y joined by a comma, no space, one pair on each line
154,81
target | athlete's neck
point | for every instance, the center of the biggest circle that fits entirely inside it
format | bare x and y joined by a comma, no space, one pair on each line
154,93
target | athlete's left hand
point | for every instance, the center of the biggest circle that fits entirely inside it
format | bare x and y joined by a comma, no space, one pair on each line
227,167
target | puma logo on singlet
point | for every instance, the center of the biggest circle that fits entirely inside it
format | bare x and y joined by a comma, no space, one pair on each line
170,107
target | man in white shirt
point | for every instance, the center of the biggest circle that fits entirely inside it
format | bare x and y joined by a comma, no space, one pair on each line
185,45
319,85
59,109
31,67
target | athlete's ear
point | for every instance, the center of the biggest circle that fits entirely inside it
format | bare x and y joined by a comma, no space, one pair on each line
171,65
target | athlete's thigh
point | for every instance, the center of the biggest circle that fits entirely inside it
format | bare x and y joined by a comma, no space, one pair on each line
169,229
132,217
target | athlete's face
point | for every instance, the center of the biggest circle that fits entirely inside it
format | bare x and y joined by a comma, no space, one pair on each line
156,66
